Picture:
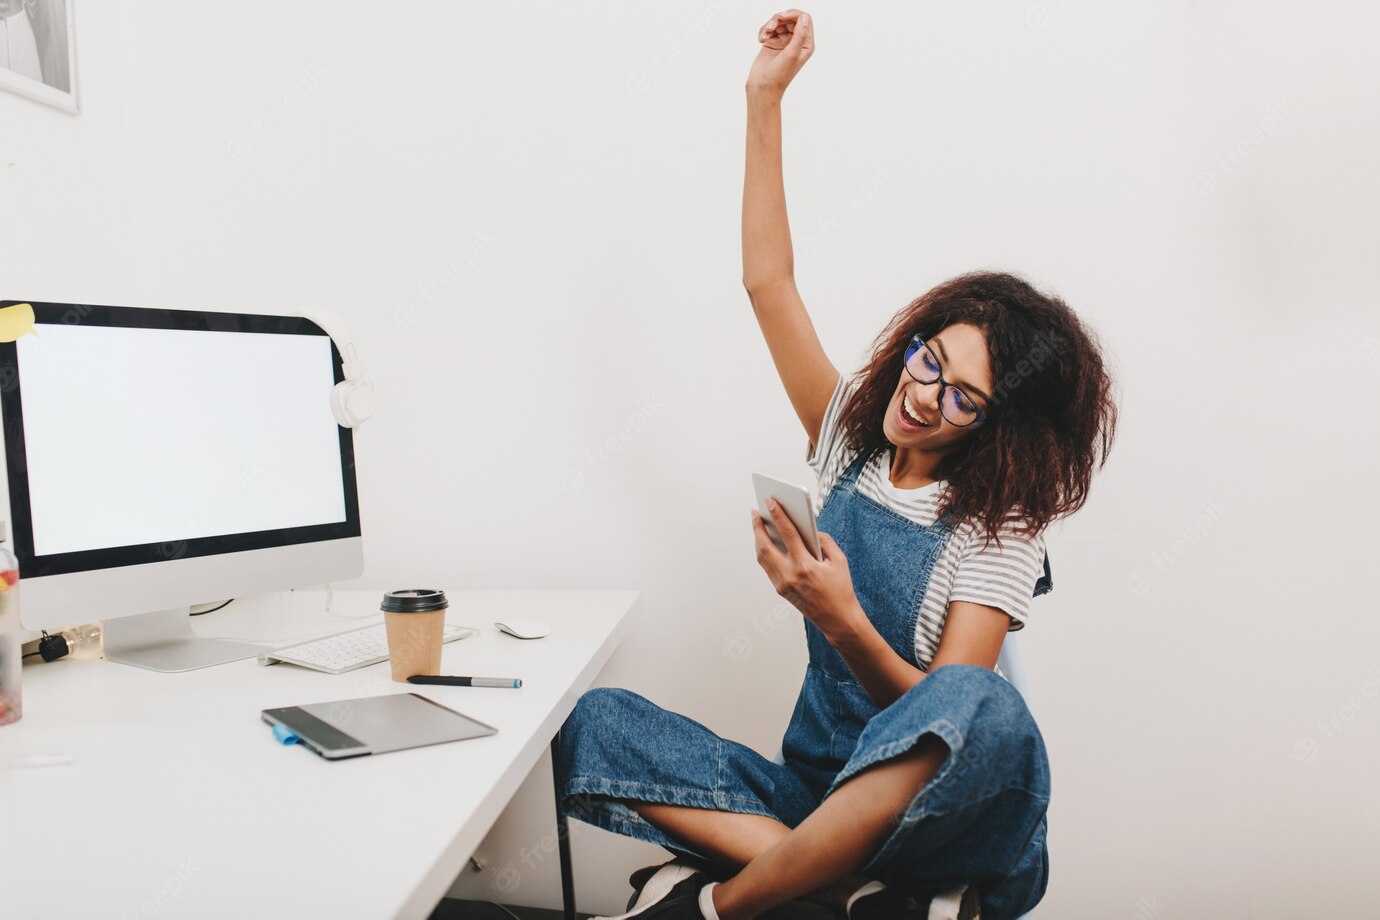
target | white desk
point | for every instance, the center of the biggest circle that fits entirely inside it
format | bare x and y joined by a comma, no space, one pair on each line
179,802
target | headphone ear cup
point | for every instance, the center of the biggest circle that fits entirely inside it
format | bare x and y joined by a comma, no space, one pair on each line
352,403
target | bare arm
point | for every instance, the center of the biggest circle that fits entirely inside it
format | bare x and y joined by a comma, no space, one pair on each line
822,590
973,634
768,263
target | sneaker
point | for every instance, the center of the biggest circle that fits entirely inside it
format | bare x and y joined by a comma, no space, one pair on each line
793,910
875,901
667,874
958,903
659,887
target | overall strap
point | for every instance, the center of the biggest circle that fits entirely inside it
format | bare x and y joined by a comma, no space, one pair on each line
951,518
854,469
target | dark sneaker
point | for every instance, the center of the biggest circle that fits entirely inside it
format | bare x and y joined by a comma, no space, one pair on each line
667,874
683,903
640,881
960,903
658,887
875,901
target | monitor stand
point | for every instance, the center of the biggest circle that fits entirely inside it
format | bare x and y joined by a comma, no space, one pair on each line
163,641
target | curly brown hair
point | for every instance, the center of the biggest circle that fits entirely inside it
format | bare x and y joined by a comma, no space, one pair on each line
1052,418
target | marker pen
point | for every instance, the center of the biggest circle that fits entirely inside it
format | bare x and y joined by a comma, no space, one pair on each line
465,681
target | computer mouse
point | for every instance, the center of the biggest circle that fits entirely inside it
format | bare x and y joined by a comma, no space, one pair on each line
524,627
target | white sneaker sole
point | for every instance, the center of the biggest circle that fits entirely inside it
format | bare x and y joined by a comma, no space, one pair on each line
656,889
949,905
864,891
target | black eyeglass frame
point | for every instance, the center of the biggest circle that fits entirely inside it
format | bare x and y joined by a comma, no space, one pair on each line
918,342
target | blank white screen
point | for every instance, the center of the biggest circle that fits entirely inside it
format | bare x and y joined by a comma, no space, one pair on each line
156,435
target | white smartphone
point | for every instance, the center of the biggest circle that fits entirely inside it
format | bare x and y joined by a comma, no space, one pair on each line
797,504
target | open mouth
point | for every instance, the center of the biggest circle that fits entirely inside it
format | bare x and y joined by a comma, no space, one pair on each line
908,416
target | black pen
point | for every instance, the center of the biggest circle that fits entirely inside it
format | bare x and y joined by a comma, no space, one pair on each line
465,681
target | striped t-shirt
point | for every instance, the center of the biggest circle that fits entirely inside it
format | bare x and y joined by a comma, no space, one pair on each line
1003,578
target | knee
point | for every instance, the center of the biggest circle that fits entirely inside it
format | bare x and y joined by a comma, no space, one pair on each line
587,729
599,701
994,698
997,717
602,712
596,707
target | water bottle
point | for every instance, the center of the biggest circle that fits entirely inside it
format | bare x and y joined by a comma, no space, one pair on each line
10,657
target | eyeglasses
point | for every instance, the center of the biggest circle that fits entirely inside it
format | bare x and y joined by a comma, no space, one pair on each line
955,405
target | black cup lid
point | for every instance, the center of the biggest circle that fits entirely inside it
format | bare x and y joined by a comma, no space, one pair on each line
414,600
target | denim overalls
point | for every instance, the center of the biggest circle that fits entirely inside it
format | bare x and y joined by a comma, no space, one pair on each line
980,819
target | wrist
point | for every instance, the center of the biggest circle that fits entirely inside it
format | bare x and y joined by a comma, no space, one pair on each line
763,98
852,631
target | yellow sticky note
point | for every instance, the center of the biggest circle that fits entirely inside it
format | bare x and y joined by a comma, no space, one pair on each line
16,320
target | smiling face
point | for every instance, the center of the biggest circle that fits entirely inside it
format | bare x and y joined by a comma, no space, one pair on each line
961,351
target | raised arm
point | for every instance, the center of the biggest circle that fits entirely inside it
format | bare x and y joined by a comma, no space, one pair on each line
809,376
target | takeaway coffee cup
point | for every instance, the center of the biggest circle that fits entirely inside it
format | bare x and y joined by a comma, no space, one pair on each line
415,619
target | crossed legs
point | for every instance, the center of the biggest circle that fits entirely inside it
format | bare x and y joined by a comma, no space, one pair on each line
822,853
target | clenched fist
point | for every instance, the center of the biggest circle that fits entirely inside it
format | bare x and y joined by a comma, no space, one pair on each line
787,40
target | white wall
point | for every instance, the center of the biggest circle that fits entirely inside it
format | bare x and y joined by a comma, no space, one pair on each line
529,214
65,182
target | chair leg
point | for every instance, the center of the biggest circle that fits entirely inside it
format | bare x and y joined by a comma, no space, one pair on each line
562,835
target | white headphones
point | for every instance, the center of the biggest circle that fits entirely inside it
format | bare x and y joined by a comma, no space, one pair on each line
352,400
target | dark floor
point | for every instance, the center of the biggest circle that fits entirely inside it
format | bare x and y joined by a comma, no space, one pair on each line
456,909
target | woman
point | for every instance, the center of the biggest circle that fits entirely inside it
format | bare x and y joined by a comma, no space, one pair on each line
913,773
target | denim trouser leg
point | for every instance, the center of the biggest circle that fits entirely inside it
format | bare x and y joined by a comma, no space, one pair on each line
620,745
981,818
1018,894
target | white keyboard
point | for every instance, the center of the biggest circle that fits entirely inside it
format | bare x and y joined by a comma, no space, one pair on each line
348,650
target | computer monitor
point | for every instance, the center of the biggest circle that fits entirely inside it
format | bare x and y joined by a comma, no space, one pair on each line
157,459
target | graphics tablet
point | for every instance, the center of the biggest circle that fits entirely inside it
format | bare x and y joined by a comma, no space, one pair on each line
374,725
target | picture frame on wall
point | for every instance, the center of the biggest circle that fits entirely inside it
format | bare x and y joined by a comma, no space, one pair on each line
38,51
